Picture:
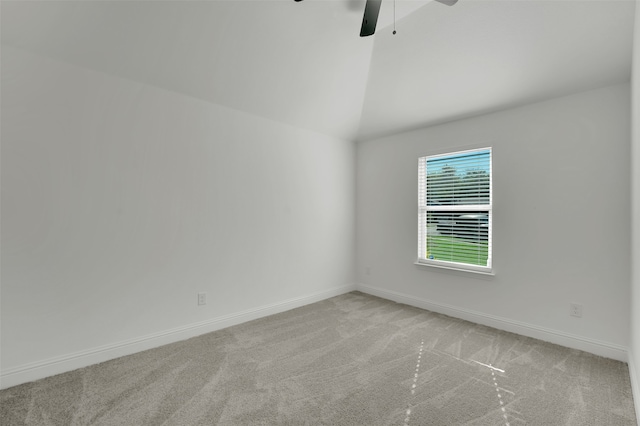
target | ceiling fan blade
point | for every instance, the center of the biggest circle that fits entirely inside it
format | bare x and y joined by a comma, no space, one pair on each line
448,2
370,18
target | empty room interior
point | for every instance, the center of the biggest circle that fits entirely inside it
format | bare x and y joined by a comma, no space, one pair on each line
246,212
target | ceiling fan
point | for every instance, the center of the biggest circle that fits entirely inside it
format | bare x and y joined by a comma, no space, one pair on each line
371,11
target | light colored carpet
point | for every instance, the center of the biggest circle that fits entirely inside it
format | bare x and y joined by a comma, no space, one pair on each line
351,360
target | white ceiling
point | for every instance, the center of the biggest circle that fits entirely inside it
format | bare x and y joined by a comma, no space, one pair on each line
479,56
304,64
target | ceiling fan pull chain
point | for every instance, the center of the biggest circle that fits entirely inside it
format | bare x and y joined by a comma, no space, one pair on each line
394,17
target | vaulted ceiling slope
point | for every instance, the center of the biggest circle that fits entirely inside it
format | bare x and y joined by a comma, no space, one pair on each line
480,56
304,64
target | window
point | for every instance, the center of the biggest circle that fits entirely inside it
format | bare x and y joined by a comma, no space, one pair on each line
454,210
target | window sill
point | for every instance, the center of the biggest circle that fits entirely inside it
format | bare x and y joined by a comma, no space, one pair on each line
489,273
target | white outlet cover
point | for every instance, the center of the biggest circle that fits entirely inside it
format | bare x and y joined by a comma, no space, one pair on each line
575,310
202,298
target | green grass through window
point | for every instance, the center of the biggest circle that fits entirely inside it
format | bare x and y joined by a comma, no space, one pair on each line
451,249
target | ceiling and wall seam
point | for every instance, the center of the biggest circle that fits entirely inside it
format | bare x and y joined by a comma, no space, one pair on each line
304,65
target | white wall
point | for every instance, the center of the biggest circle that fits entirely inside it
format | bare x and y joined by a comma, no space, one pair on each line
634,352
561,220
120,202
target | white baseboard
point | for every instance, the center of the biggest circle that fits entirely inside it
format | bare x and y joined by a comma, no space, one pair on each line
595,347
38,370
635,386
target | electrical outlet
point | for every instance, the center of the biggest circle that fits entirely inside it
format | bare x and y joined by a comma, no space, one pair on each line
575,310
202,298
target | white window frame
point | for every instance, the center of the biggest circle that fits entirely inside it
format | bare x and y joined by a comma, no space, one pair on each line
423,209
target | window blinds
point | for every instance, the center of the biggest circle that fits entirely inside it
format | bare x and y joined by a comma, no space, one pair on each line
454,199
